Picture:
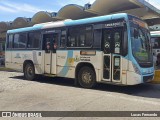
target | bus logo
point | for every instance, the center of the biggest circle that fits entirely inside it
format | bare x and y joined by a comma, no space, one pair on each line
107,45
6,114
76,59
117,44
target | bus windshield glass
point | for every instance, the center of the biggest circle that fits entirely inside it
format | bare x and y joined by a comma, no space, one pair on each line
140,40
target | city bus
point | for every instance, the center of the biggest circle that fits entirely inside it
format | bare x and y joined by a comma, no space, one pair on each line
113,49
155,40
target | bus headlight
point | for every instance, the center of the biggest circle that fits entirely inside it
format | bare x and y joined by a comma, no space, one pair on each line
136,69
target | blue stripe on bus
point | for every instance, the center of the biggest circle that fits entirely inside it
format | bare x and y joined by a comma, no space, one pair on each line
37,27
95,19
65,68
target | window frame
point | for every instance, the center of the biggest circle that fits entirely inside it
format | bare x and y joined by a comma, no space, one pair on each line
124,42
100,45
26,34
7,43
18,41
13,48
14,40
84,25
40,40
65,41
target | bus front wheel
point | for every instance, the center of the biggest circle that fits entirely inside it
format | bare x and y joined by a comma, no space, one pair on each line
29,71
87,77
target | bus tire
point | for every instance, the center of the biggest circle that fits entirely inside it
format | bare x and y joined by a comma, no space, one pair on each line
87,77
29,71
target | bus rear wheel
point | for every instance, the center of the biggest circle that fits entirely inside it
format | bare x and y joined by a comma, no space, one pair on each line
29,71
87,77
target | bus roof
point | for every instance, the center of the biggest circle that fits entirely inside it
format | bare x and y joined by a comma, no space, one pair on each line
155,33
69,23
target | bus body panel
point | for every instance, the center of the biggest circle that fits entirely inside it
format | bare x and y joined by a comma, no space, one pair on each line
124,70
67,62
19,57
135,74
8,59
133,78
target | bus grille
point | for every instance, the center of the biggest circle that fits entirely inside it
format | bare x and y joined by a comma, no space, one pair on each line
147,78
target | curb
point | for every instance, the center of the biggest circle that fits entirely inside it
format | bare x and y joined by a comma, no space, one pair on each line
156,79
6,69
155,82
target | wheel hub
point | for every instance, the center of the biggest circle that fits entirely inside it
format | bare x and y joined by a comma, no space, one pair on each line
30,71
86,77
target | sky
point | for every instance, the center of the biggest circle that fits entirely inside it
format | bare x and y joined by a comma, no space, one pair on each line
11,9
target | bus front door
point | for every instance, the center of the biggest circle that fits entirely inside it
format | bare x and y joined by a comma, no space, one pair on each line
112,41
50,57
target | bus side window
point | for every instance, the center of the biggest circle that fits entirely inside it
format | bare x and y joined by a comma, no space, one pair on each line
117,38
63,39
71,41
97,38
107,41
19,41
16,41
22,40
82,40
9,41
47,42
34,40
47,45
72,37
89,36
55,42
80,36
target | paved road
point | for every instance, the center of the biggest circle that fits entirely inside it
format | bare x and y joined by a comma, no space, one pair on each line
58,94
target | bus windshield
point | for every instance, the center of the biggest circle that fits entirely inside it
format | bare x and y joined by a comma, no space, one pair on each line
140,40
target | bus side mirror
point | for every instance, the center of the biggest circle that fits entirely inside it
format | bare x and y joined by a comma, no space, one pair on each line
136,33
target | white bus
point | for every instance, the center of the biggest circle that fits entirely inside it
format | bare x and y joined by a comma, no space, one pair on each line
155,40
106,49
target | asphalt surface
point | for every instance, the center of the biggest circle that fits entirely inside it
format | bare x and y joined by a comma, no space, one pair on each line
59,94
